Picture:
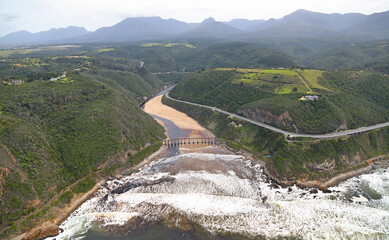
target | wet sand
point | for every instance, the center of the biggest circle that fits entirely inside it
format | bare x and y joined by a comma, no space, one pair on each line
188,127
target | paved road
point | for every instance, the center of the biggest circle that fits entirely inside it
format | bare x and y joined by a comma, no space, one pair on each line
287,133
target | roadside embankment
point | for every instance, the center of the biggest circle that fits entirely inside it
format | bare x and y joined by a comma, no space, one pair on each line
319,164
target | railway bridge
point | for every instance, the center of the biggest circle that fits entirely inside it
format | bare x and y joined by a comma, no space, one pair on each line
189,141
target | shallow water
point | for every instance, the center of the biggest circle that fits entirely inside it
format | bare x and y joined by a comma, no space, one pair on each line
210,196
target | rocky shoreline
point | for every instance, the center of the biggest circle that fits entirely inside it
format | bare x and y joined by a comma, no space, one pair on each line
52,229
374,164
323,186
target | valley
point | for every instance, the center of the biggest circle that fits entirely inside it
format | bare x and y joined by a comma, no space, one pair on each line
203,193
292,113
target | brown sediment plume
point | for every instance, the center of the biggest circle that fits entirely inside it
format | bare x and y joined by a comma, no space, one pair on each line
181,120
189,128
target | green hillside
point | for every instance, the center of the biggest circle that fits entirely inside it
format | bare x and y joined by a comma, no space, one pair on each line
345,99
352,55
289,161
141,85
159,58
53,133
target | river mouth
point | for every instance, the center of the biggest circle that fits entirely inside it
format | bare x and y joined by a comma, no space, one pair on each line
205,192
215,196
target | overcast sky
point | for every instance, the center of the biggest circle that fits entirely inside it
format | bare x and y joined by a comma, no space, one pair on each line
40,15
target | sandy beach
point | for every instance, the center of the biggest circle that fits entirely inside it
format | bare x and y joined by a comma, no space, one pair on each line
181,120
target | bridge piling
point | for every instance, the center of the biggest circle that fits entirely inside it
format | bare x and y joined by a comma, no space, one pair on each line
177,142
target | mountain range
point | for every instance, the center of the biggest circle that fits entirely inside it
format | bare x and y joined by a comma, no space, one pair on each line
301,24
53,35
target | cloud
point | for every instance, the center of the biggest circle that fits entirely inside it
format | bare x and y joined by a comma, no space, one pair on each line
8,17
39,15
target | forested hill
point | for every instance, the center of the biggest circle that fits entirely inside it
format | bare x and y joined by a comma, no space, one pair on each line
352,55
194,55
53,133
337,100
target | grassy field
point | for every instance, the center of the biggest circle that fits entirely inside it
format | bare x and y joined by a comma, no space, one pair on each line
292,88
66,80
151,44
31,62
6,53
25,51
241,70
70,57
288,72
105,50
276,80
188,45
255,70
312,76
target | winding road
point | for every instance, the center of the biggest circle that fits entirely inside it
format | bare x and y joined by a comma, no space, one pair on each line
287,133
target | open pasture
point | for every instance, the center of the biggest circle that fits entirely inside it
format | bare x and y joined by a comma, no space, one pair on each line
292,88
187,45
288,72
7,53
312,76
277,83
105,50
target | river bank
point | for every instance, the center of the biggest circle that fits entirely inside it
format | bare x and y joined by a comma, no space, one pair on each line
176,124
186,127
155,107
318,164
195,164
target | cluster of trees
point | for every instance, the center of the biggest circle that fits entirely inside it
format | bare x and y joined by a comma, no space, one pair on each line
205,55
291,160
356,98
62,131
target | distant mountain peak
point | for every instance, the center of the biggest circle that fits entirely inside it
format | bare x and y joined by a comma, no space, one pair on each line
138,28
20,32
301,23
49,36
209,20
301,11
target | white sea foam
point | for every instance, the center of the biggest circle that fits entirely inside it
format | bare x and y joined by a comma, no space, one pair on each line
230,195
